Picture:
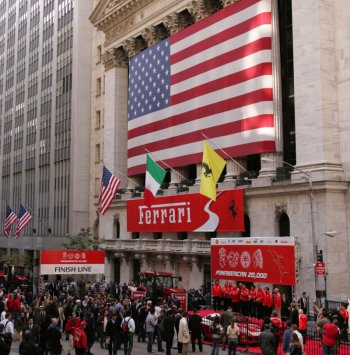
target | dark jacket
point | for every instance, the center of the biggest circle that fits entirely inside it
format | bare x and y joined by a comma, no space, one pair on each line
112,329
194,324
52,339
27,347
35,333
168,329
267,343
4,348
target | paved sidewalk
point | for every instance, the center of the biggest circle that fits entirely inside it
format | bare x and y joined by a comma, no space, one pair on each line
138,349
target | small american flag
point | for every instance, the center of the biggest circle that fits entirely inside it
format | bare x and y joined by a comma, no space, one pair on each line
24,218
214,77
108,189
11,218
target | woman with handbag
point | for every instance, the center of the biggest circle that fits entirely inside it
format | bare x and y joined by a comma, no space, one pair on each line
217,332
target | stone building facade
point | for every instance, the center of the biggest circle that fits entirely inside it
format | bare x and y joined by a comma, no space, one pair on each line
311,57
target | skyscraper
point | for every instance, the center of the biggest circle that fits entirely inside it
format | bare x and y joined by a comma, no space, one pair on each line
45,73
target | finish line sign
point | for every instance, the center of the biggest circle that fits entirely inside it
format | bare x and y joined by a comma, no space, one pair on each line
53,262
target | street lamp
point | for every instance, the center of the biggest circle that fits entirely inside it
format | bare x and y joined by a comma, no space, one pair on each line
311,198
330,234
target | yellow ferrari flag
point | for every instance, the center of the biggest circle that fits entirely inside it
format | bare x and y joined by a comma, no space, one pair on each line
212,167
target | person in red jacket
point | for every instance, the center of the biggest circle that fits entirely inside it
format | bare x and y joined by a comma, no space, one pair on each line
303,324
260,296
236,298
72,323
227,295
345,316
277,302
276,327
217,294
80,339
252,301
330,336
267,302
244,300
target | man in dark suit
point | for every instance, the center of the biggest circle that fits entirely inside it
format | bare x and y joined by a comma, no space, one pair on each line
194,325
303,302
34,329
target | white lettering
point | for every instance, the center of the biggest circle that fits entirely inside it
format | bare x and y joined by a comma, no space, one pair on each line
155,216
181,213
163,214
188,215
172,217
141,215
148,217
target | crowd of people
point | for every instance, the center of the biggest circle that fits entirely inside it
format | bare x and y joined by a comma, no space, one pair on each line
84,313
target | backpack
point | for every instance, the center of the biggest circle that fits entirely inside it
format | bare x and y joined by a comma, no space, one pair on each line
125,327
77,338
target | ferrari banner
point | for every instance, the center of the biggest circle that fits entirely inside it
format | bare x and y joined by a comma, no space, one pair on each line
262,260
188,213
72,262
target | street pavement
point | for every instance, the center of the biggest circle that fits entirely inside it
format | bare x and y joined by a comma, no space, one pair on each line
138,349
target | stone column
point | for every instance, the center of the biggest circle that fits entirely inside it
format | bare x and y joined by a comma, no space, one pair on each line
315,79
234,168
196,277
199,172
177,175
115,121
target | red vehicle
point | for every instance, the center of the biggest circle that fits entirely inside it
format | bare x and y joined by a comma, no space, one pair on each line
250,328
159,284
13,276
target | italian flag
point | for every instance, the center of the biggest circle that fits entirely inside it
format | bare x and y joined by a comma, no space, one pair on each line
154,178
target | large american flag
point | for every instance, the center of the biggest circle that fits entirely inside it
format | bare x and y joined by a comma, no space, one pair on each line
214,77
24,217
108,189
11,218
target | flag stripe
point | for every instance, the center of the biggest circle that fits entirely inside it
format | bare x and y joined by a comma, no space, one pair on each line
233,127
24,217
230,14
11,218
218,61
238,66
258,135
237,150
198,113
218,84
224,38
108,189
215,94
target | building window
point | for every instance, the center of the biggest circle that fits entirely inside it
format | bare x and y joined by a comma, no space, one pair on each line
98,153
135,235
157,235
209,235
246,233
181,235
284,225
99,53
98,119
116,227
98,87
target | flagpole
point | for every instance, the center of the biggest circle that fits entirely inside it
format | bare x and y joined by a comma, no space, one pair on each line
221,150
163,162
120,173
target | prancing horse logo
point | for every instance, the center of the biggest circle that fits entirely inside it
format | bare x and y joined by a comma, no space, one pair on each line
207,169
